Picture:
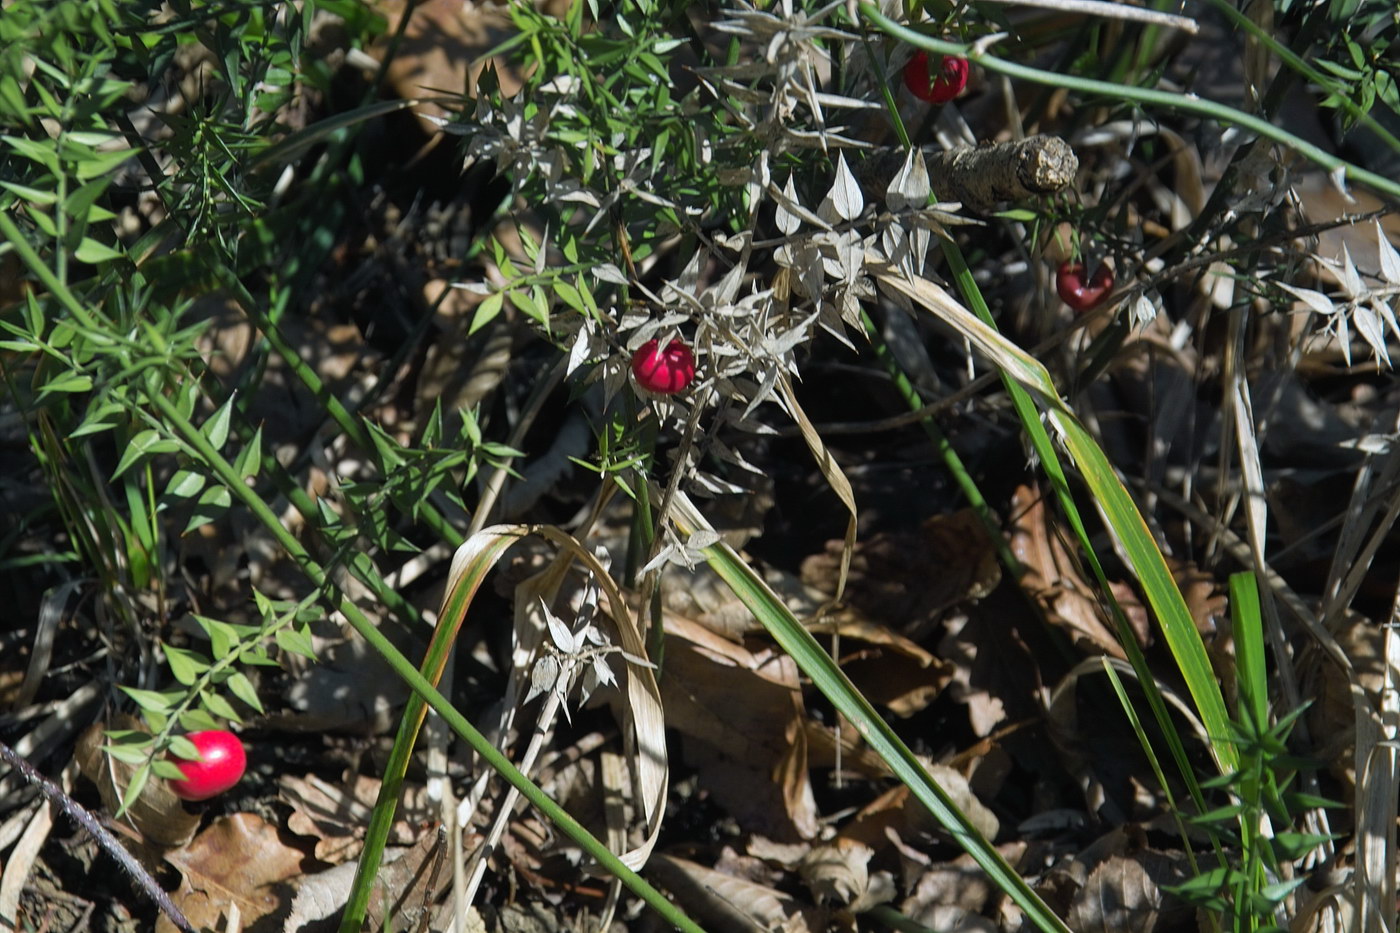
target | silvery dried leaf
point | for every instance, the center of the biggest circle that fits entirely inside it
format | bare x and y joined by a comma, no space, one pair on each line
1351,279
707,484
579,351
1390,259
602,672
702,539
578,196
788,201
1368,326
845,195
1315,300
787,221
1343,336
564,639
543,676
910,186
1387,313
607,272
1143,310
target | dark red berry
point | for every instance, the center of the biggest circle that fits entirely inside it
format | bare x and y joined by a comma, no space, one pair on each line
939,85
220,768
1079,291
664,372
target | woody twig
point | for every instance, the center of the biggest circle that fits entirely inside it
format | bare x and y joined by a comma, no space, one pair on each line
983,176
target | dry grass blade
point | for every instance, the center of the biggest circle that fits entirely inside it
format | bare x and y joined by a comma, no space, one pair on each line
645,730
831,471
1108,10
1136,543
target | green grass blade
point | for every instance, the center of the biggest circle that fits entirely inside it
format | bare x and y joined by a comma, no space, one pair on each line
1185,103
828,678
1112,499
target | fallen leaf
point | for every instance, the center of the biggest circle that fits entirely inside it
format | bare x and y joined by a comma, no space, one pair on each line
839,872
157,814
410,879
746,706
890,578
1053,580
721,902
239,860
1118,896
337,816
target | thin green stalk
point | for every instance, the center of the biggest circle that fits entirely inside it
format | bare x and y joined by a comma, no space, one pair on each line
11,231
428,694
945,449
335,408
1186,103
1135,722
798,643
1122,515
1296,62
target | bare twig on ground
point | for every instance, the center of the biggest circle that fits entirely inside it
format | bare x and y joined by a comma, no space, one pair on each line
105,839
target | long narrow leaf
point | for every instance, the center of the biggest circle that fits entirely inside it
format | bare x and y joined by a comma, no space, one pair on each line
1119,511
829,679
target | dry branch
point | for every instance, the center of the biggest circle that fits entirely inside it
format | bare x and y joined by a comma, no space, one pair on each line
982,176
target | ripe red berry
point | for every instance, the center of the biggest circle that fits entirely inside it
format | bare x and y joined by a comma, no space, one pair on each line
1079,291
222,765
936,86
664,372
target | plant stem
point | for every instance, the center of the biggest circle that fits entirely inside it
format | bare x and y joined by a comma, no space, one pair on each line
408,673
105,839
1186,103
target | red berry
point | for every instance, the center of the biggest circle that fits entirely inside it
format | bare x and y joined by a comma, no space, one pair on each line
1080,293
939,86
222,765
664,372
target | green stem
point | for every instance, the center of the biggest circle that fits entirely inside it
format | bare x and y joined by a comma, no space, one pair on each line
945,448
1186,103
405,669
1296,62
338,412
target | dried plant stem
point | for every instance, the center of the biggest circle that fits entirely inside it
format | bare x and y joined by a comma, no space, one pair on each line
982,176
105,839
1108,10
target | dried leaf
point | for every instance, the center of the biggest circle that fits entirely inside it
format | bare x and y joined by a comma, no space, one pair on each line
1118,896
1351,279
1054,580
157,814
239,860
787,221
1315,300
910,187
1389,258
722,902
889,579
747,709
337,816
839,872
845,194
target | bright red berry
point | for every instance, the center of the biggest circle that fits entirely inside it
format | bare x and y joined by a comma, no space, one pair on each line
936,86
664,372
222,765
1080,292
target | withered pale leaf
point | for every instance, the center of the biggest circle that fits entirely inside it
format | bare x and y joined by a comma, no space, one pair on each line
910,186
787,221
239,860
157,814
1117,896
845,191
